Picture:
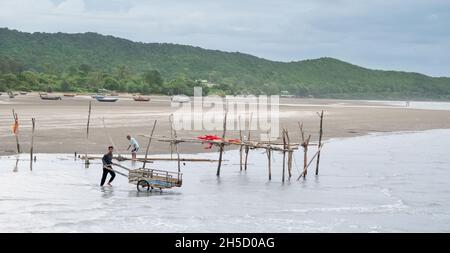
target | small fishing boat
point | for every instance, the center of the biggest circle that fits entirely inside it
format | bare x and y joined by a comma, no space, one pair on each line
180,99
141,98
69,95
106,99
48,97
95,96
23,93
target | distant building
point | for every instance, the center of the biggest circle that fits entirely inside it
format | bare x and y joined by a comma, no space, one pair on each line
206,83
286,94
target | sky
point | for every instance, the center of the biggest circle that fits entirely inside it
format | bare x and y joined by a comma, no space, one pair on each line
406,35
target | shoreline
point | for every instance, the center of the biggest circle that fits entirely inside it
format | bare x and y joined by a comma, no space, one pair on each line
193,154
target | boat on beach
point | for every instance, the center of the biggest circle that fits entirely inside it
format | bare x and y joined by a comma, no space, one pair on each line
106,99
49,97
23,93
141,98
97,95
69,95
180,99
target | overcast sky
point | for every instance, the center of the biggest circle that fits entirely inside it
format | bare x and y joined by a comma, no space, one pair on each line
409,35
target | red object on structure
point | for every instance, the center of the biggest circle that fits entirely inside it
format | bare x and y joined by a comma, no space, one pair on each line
234,141
209,138
216,138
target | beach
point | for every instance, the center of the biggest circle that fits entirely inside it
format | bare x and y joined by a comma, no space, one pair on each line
61,125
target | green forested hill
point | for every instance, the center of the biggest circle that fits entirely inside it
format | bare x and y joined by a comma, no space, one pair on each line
89,61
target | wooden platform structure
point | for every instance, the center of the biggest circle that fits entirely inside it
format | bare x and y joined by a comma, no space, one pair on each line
285,146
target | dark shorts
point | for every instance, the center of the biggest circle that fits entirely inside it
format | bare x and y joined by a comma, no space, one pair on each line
134,150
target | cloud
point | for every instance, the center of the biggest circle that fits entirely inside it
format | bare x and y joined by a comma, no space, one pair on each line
399,34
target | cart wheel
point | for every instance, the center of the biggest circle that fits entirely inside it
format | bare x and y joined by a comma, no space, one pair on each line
143,185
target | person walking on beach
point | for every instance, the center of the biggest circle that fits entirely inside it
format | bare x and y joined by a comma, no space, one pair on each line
134,145
107,168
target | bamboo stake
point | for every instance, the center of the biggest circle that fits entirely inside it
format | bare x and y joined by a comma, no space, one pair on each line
312,159
284,153
87,130
250,144
222,145
241,147
118,172
176,143
269,157
320,142
16,121
110,138
247,148
302,134
148,145
305,157
289,155
151,159
32,142
171,136
121,166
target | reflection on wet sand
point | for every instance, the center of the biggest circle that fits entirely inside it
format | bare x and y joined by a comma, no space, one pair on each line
108,191
16,167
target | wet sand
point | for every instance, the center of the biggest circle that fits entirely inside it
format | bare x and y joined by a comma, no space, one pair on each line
61,125
401,187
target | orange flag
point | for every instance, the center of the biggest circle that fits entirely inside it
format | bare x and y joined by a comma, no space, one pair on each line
15,127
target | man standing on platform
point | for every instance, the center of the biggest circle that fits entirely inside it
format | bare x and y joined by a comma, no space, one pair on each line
134,145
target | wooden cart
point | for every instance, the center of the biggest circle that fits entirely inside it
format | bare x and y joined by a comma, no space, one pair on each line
148,179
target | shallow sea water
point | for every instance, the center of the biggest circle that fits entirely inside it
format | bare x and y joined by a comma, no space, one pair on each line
377,183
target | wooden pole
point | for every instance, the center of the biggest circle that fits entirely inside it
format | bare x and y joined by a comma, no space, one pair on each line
310,161
269,157
302,134
284,154
289,154
305,157
148,145
121,166
16,134
151,159
172,128
247,148
241,147
222,145
87,130
171,135
33,124
110,138
320,142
